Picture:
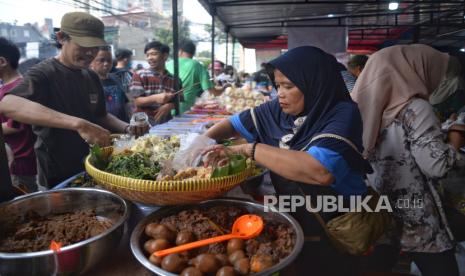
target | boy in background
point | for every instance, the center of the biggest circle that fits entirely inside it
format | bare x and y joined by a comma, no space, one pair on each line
115,98
153,88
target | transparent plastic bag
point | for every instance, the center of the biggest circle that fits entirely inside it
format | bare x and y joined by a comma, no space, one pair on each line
124,142
189,154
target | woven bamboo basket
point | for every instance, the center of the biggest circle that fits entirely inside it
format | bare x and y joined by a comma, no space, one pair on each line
163,193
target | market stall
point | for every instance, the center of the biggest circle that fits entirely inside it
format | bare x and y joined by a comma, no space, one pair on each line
145,188
145,198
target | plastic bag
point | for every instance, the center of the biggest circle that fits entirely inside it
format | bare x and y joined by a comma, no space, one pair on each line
123,143
189,153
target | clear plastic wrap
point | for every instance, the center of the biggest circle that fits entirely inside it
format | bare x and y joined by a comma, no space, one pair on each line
189,154
123,143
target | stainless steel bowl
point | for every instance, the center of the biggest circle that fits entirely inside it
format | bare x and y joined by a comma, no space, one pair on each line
73,259
138,237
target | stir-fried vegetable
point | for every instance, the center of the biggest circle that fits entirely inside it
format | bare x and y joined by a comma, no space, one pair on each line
136,165
150,154
98,158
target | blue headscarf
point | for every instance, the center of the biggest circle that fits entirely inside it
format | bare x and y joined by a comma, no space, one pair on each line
328,107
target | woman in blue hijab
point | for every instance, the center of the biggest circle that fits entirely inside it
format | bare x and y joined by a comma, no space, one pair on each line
312,100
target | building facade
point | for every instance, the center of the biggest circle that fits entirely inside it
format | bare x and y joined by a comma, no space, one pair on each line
29,39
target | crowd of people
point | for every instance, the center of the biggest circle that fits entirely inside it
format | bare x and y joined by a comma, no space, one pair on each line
64,102
381,118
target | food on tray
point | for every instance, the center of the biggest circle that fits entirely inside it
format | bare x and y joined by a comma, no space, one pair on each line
150,158
228,91
233,257
133,164
34,232
190,173
238,99
208,104
159,149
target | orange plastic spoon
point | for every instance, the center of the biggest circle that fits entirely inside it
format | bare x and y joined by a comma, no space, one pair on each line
245,227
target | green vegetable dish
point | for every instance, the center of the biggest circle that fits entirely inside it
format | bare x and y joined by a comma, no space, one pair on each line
149,159
135,165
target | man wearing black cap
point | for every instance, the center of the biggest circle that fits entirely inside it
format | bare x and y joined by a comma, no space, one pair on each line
65,101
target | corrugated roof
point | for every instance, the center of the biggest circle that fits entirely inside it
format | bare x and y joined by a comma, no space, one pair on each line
370,23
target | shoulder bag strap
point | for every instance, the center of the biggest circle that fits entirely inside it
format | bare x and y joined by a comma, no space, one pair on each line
320,136
334,136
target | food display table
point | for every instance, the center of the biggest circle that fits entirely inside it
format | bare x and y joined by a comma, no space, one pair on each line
122,261
187,123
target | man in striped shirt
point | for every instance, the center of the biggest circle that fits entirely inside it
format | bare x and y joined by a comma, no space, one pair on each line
153,88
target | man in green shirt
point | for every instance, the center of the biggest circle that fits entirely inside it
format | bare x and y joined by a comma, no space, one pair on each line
193,75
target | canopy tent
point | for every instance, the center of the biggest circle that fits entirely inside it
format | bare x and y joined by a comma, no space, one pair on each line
371,24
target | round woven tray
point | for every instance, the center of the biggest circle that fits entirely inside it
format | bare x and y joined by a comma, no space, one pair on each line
165,192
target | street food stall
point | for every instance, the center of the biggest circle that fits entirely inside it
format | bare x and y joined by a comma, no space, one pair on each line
133,202
79,229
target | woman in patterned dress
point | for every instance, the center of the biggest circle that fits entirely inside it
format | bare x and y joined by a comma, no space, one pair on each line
404,144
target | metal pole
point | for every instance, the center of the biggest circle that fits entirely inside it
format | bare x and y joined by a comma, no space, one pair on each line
213,42
233,50
6,188
174,6
416,30
227,42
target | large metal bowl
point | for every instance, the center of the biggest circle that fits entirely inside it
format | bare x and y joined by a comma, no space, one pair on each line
73,259
138,237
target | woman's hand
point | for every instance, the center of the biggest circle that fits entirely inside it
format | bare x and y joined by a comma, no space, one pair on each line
216,153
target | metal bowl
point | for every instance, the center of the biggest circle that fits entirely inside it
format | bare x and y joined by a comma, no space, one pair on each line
138,237
75,258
